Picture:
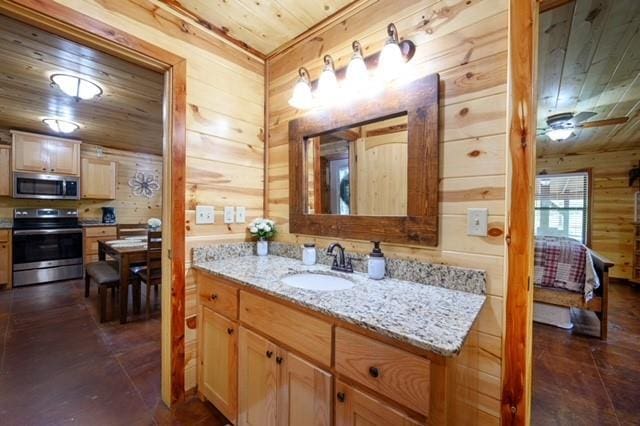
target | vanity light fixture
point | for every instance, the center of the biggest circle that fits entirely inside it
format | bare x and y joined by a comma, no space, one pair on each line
302,98
328,83
79,88
391,60
357,73
61,126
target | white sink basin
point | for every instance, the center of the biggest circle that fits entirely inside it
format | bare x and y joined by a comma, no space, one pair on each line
317,282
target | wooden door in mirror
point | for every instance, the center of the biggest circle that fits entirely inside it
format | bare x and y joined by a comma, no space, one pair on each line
415,219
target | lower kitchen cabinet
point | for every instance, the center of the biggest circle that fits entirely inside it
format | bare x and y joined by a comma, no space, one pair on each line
217,375
5,257
279,388
355,408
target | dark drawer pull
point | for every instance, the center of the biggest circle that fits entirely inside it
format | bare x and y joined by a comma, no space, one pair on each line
279,359
269,354
374,372
340,396
213,296
229,331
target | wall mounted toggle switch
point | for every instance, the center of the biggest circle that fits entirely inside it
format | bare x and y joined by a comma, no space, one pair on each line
477,222
205,215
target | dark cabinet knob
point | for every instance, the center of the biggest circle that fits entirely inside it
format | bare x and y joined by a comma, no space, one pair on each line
269,354
279,359
340,396
213,296
229,331
374,372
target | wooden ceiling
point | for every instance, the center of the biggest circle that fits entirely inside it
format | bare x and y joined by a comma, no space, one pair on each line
589,60
127,116
259,26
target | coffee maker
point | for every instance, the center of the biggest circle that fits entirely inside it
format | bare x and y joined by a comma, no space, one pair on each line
108,215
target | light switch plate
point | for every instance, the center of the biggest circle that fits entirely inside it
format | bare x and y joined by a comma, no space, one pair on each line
205,215
477,222
229,214
240,214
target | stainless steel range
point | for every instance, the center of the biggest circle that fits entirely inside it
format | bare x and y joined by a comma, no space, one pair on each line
47,246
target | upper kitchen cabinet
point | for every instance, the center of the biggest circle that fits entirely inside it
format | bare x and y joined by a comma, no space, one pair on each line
99,179
45,154
5,170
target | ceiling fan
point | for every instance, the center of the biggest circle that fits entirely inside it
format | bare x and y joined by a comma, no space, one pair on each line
561,126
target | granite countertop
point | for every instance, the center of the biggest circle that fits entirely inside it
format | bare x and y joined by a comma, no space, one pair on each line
92,223
6,223
428,317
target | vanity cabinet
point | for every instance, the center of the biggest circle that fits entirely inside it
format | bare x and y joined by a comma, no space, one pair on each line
99,179
279,388
5,170
295,366
45,154
218,363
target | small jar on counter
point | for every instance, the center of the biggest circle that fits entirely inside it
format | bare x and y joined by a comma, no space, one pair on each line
309,254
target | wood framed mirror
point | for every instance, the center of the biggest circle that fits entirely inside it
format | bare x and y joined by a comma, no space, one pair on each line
368,169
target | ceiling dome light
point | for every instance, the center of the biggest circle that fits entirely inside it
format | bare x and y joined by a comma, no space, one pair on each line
301,97
560,134
61,126
357,73
391,62
77,87
327,83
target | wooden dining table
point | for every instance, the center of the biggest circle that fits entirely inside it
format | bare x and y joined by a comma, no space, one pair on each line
125,256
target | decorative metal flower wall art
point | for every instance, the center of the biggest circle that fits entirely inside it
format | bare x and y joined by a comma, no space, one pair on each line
144,185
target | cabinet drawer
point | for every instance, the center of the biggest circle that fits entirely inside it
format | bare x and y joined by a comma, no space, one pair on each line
395,373
101,231
91,244
4,235
218,296
302,332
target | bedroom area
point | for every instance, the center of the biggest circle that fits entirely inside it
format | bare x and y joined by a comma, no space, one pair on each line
586,321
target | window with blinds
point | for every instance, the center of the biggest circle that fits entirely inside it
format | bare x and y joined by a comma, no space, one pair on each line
562,205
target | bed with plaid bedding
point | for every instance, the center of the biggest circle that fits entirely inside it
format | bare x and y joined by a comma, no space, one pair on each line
565,263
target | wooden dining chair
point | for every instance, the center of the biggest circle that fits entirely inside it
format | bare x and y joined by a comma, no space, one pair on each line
151,275
132,230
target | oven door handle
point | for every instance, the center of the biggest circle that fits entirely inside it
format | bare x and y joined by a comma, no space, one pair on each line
47,231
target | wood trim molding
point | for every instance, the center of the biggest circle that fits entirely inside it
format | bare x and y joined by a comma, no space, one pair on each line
419,100
76,26
546,5
516,376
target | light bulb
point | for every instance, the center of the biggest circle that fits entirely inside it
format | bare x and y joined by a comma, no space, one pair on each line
559,134
357,73
327,83
61,126
301,97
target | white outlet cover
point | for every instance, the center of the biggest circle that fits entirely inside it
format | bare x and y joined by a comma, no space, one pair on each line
240,215
478,222
229,214
205,215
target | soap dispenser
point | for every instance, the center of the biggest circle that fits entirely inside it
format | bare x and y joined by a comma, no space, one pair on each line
376,263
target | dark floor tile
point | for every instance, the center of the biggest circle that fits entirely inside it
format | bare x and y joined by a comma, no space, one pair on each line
625,394
190,412
561,409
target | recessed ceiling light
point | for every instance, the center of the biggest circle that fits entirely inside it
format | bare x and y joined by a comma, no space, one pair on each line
77,87
61,126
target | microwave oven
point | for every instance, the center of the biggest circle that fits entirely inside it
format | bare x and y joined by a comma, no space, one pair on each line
46,187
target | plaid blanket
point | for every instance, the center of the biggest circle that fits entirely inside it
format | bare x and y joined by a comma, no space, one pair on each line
565,263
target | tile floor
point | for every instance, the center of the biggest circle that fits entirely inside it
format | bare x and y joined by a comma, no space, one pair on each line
581,380
59,365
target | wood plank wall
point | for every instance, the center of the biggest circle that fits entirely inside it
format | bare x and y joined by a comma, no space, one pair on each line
225,120
466,42
612,232
129,208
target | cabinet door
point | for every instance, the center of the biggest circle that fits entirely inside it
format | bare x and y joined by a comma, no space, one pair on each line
5,262
257,380
356,408
304,392
217,379
30,153
64,157
98,179
5,171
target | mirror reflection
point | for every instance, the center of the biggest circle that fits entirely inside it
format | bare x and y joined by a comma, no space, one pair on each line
360,171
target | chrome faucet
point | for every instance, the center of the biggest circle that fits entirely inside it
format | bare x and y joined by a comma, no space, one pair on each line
340,262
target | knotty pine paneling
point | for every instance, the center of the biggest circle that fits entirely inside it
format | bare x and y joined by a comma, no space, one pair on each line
225,122
129,208
612,232
466,43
